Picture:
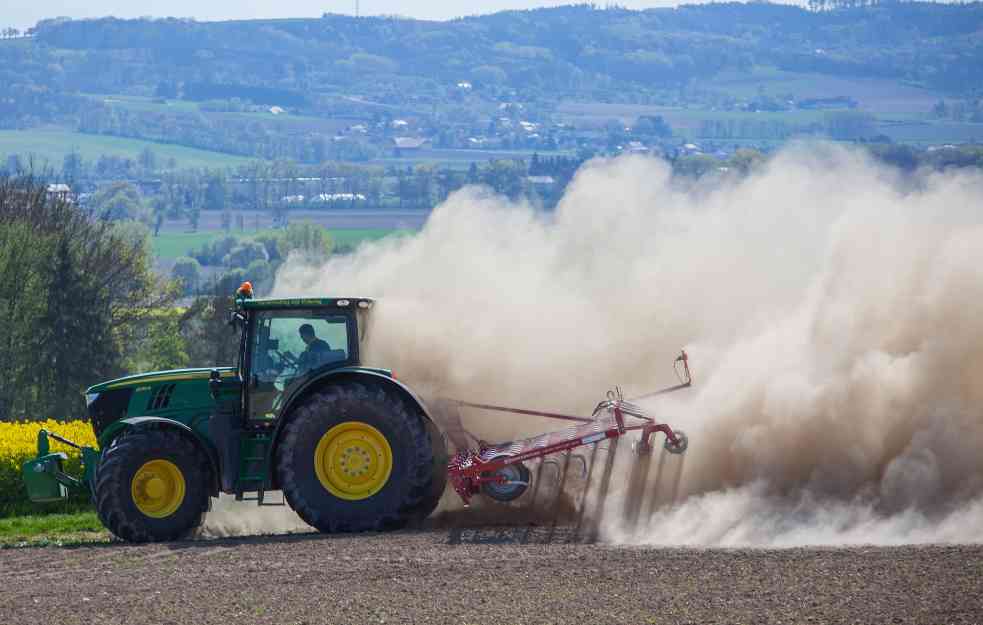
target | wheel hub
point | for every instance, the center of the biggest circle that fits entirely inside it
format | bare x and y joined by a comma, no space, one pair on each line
155,488
353,460
158,488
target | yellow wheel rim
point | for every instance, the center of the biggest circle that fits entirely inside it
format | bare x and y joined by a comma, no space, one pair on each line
158,488
353,460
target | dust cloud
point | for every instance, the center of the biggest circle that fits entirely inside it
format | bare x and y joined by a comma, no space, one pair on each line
228,517
832,310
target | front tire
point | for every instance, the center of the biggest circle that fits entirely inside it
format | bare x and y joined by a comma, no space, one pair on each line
355,458
152,486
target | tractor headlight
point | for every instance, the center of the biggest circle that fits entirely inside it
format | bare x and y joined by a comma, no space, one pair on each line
89,398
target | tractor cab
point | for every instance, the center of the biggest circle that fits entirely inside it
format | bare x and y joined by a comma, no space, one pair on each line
285,346
286,343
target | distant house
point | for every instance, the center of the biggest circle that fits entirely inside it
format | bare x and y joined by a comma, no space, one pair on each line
292,199
409,144
465,85
60,191
399,124
635,147
277,110
541,181
484,142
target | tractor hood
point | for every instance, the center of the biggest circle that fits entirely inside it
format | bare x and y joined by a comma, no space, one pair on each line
154,377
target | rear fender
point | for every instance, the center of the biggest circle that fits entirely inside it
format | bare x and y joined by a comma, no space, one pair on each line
367,377
117,427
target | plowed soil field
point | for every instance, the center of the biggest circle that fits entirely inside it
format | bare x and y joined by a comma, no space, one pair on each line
436,577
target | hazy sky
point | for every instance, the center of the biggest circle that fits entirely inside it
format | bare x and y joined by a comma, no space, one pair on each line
24,13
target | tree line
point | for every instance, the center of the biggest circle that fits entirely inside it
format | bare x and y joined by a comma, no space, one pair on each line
81,304
74,292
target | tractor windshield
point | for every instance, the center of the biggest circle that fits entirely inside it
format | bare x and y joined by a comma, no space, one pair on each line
288,345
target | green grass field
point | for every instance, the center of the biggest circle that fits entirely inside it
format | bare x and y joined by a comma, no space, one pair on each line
142,103
171,245
49,147
145,104
52,529
890,101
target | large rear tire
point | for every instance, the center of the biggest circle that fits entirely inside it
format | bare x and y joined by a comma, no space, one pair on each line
356,458
152,485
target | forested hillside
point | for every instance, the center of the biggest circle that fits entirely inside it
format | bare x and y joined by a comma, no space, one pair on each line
569,48
563,82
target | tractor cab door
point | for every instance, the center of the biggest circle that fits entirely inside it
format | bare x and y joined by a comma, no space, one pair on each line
289,347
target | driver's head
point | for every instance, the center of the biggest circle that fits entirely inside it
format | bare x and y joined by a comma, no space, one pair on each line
307,333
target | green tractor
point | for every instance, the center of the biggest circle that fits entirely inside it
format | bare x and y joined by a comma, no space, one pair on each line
351,448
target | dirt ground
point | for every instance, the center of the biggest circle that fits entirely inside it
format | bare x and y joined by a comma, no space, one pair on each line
446,577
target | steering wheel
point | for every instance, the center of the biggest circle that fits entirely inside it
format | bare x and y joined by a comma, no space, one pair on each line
280,361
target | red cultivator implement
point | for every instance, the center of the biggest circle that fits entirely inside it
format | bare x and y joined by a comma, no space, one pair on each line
500,472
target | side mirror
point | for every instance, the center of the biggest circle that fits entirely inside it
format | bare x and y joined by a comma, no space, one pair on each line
236,319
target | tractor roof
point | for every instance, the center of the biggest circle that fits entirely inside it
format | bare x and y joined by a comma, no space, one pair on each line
306,302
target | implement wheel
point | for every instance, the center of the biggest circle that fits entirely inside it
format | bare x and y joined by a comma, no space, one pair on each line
152,486
355,458
517,478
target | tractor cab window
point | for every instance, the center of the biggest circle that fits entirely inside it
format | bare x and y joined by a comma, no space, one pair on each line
292,343
289,345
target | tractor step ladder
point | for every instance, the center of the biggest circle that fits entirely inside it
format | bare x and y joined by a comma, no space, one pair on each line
253,467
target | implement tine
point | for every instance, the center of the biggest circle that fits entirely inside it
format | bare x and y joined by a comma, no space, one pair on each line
653,502
636,488
603,492
677,479
539,479
582,505
559,495
531,505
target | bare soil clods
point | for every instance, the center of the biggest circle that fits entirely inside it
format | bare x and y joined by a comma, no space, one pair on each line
418,577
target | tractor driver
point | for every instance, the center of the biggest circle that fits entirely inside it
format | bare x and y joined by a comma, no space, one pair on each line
317,350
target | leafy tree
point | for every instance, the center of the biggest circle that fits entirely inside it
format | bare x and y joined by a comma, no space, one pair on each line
260,273
244,253
272,244
119,201
210,341
304,238
215,193
488,75
652,126
75,293
505,177
160,345
214,253
148,159
187,272
72,166
848,125
696,165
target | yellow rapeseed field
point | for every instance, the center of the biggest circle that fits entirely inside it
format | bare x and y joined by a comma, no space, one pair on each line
19,443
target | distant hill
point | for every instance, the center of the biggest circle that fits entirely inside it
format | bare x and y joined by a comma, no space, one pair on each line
572,49
342,88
